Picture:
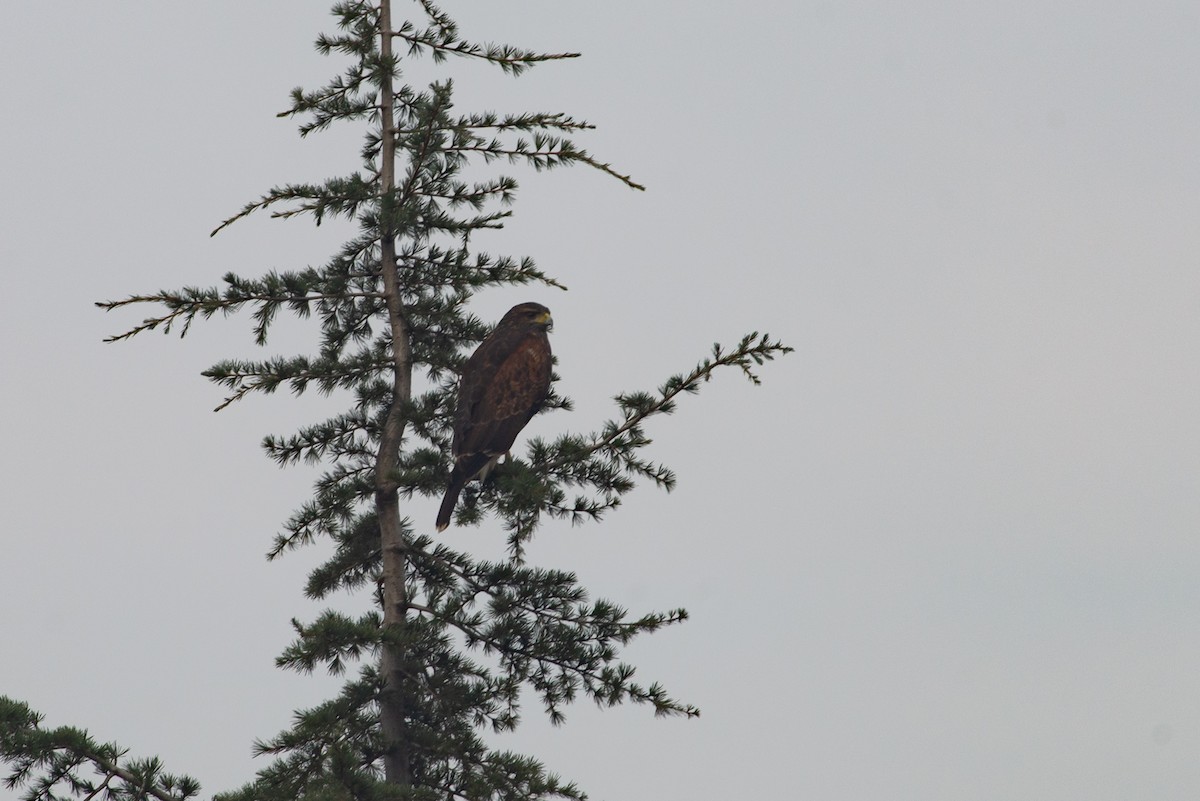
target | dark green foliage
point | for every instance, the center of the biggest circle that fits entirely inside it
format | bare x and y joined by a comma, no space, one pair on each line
475,634
67,763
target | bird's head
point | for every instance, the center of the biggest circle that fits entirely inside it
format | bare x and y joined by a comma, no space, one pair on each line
530,314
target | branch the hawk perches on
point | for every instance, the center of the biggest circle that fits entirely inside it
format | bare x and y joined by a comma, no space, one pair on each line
503,385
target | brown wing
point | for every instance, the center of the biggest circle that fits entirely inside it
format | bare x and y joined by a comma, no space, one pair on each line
501,403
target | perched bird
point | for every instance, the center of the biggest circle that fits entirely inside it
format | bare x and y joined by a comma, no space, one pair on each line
503,385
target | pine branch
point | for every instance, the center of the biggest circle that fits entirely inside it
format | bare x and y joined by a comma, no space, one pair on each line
337,197
529,121
440,43
334,639
545,153
451,269
604,462
298,372
345,436
49,761
511,586
607,685
619,437
191,302
442,39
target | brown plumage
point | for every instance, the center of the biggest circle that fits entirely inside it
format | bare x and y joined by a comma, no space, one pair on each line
503,384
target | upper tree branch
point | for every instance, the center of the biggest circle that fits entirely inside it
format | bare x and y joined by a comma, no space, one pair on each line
205,303
510,59
753,349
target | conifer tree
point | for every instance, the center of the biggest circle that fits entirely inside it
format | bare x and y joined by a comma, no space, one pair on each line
454,639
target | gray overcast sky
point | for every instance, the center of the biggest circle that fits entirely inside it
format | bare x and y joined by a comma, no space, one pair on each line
949,550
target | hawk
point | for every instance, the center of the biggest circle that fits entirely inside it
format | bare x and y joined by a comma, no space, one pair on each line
503,385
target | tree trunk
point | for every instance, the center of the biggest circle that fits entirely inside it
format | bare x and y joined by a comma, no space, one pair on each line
393,668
